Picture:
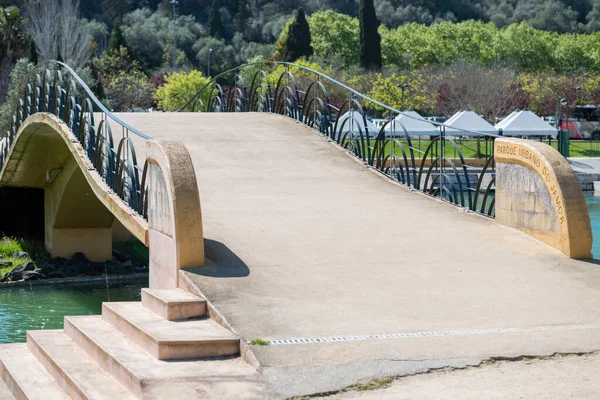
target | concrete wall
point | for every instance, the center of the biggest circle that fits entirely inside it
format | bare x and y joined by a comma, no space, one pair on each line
538,193
523,201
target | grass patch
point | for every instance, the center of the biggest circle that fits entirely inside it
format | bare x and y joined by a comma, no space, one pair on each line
10,246
133,250
259,342
375,384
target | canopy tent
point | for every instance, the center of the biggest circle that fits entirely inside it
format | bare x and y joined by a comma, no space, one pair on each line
524,123
413,123
353,121
470,121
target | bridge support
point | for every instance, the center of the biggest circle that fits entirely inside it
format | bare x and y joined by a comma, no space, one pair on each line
75,219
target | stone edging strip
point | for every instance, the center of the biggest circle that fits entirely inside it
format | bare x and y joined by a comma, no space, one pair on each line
84,279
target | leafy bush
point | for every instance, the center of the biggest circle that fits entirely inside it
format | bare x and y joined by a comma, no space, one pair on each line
128,91
179,88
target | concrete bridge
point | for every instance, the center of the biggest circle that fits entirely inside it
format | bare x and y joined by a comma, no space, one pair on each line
345,273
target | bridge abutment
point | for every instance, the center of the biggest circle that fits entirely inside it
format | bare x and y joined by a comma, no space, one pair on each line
75,219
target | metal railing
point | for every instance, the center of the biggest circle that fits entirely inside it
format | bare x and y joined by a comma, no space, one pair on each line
434,164
55,88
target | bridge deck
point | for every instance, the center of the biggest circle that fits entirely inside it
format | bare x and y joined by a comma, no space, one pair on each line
305,242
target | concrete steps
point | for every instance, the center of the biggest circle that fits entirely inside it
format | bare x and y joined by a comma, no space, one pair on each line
76,373
142,374
5,394
25,377
173,305
170,340
121,355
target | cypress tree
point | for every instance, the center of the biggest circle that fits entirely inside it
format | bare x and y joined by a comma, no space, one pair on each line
116,40
97,88
241,15
298,40
33,55
370,41
215,25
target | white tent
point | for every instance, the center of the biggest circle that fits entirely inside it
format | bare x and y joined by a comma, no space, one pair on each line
355,124
470,121
413,123
524,123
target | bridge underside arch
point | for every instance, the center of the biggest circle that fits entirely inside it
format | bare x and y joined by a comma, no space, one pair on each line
79,208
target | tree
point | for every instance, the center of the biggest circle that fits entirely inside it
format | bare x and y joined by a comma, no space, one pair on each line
74,39
215,25
297,44
55,25
44,26
241,15
335,34
179,88
116,40
97,88
490,92
18,76
370,41
14,43
150,36
130,90
222,58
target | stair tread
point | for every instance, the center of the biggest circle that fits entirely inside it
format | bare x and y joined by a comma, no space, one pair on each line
157,378
173,295
85,373
30,375
163,331
5,394
142,364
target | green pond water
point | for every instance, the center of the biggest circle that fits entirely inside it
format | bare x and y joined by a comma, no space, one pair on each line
594,208
44,306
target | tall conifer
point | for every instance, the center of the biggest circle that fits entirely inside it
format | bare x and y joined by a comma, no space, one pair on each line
297,44
370,41
215,25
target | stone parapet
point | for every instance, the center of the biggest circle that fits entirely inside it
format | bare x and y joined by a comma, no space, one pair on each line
538,193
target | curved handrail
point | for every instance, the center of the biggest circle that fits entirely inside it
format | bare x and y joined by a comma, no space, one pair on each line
355,92
440,171
99,104
74,103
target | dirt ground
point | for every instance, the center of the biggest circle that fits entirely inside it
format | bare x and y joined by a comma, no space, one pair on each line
557,377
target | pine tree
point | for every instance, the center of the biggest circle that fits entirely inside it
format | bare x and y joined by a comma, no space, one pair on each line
297,44
370,41
215,25
116,40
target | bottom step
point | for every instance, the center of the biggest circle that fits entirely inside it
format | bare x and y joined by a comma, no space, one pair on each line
4,392
25,377
76,373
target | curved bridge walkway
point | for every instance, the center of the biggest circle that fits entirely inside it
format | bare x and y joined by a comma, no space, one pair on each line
304,242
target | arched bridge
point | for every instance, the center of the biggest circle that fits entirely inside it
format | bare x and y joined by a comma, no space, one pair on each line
315,226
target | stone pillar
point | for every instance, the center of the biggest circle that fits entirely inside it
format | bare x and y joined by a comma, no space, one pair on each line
174,217
538,193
